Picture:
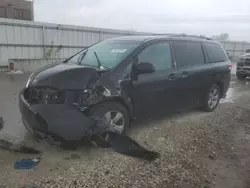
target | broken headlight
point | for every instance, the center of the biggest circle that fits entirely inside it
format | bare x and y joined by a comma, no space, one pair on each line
43,95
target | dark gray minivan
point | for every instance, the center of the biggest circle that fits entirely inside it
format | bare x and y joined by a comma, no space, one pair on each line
124,78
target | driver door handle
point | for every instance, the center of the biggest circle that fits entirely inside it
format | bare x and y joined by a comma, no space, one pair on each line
174,76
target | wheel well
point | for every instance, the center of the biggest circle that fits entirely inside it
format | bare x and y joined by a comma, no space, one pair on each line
221,87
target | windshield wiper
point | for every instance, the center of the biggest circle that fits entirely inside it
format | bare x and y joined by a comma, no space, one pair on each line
66,60
83,55
99,62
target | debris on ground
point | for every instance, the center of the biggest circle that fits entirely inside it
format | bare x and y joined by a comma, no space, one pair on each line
124,145
17,148
26,163
127,146
120,143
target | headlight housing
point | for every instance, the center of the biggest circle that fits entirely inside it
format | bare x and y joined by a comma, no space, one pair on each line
44,95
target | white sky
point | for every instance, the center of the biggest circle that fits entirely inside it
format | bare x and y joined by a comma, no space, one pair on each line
205,17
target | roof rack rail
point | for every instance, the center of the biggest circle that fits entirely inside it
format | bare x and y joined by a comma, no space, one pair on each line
183,35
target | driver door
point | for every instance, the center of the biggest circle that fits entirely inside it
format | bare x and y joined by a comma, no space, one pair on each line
151,93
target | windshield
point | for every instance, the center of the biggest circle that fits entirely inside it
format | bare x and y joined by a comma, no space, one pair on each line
110,53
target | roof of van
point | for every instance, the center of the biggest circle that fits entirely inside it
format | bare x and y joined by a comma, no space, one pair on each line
142,38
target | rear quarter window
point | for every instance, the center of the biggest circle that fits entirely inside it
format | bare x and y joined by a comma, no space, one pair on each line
188,53
214,52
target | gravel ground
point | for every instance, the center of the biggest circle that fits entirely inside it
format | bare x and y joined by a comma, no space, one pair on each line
197,150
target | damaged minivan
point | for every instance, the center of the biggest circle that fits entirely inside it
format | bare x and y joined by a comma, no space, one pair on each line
122,79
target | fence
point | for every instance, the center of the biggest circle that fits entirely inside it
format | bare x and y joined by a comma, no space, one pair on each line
34,40
235,49
27,40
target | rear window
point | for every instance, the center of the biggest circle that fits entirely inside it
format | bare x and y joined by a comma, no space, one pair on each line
215,53
188,53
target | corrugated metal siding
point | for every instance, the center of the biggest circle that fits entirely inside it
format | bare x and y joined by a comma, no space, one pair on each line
28,40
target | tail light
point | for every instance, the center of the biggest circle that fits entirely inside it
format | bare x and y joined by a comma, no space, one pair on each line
230,66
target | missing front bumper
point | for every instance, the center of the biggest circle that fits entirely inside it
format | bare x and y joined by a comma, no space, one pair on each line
61,120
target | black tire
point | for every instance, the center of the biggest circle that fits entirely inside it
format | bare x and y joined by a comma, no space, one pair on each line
100,109
207,107
240,76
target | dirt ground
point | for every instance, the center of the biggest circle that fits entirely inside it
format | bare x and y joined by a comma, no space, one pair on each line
198,149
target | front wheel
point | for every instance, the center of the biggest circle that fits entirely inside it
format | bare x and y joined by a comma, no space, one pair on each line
115,113
212,98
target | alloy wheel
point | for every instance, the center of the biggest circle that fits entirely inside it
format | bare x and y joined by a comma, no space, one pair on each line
213,98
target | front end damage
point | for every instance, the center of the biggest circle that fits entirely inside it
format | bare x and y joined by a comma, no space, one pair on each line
56,113
57,98
62,113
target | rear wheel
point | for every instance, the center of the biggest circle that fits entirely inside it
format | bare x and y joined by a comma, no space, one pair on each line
240,76
212,98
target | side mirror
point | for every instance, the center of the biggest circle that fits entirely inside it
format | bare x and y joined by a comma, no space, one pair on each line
145,68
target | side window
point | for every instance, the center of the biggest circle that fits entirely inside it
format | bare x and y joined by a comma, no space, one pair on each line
158,54
215,52
188,53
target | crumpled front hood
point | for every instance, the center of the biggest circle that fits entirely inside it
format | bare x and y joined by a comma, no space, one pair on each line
51,70
64,76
